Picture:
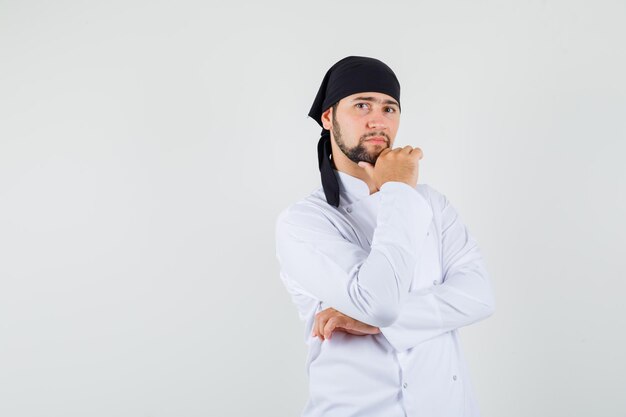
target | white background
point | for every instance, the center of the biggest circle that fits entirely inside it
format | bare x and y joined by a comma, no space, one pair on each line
146,148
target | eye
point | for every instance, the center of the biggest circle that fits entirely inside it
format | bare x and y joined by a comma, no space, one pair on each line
390,108
361,104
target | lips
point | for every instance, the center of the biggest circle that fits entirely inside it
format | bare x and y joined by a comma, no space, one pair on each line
377,139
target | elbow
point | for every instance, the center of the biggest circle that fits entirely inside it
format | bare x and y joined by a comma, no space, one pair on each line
380,310
489,307
385,315
376,292
485,300
489,310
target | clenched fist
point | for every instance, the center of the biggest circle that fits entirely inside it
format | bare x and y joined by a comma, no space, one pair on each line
400,164
329,320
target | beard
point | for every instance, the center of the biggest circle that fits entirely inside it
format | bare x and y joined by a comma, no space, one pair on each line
359,152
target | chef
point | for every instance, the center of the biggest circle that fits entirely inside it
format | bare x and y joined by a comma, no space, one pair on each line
380,267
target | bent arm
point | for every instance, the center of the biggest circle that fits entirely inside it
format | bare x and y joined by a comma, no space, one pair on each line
465,295
369,287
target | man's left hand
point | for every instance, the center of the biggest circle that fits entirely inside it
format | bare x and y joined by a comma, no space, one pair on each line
329,320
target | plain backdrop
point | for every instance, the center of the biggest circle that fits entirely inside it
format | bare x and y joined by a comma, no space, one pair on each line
146,148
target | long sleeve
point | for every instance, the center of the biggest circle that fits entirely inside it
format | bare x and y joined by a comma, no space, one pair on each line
325,265
464,296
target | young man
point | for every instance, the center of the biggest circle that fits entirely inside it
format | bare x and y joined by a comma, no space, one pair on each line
382,270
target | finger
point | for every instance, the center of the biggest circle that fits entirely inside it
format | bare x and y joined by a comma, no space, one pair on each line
407,149
363,327
316,326
321,322
351,324
417,153
330,326
369,168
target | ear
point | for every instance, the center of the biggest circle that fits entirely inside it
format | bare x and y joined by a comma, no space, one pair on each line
326,121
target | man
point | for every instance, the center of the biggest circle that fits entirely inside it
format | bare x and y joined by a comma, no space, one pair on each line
382,270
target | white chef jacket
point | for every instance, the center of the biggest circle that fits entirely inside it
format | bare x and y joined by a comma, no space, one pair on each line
399,259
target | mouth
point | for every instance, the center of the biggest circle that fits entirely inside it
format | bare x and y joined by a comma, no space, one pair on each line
377,139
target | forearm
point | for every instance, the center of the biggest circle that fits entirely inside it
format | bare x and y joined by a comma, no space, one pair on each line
464,295
461,300
368,286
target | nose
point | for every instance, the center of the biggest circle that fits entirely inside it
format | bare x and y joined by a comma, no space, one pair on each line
376,122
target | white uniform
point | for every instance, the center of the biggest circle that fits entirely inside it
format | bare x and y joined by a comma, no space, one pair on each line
399,259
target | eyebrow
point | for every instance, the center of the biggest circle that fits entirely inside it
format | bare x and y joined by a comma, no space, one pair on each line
376,100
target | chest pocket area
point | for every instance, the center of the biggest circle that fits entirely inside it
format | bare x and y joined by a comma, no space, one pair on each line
362,220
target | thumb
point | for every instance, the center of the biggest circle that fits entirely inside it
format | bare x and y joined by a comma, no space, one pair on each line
369,168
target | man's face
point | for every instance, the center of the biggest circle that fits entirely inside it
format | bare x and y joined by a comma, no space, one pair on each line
363,125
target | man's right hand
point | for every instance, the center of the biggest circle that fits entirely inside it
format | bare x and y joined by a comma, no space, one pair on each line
400,164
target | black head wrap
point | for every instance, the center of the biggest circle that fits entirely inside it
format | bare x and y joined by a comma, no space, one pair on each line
351,75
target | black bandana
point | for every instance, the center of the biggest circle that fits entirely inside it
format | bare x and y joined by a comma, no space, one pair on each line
351,75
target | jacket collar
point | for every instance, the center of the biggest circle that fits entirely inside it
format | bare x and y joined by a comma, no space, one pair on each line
354,188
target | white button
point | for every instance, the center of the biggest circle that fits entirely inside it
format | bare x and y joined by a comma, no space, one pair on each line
427,233
435,282
454,377
349,209
405,385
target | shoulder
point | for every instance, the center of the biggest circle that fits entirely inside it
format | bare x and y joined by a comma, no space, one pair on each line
435,198
310,210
